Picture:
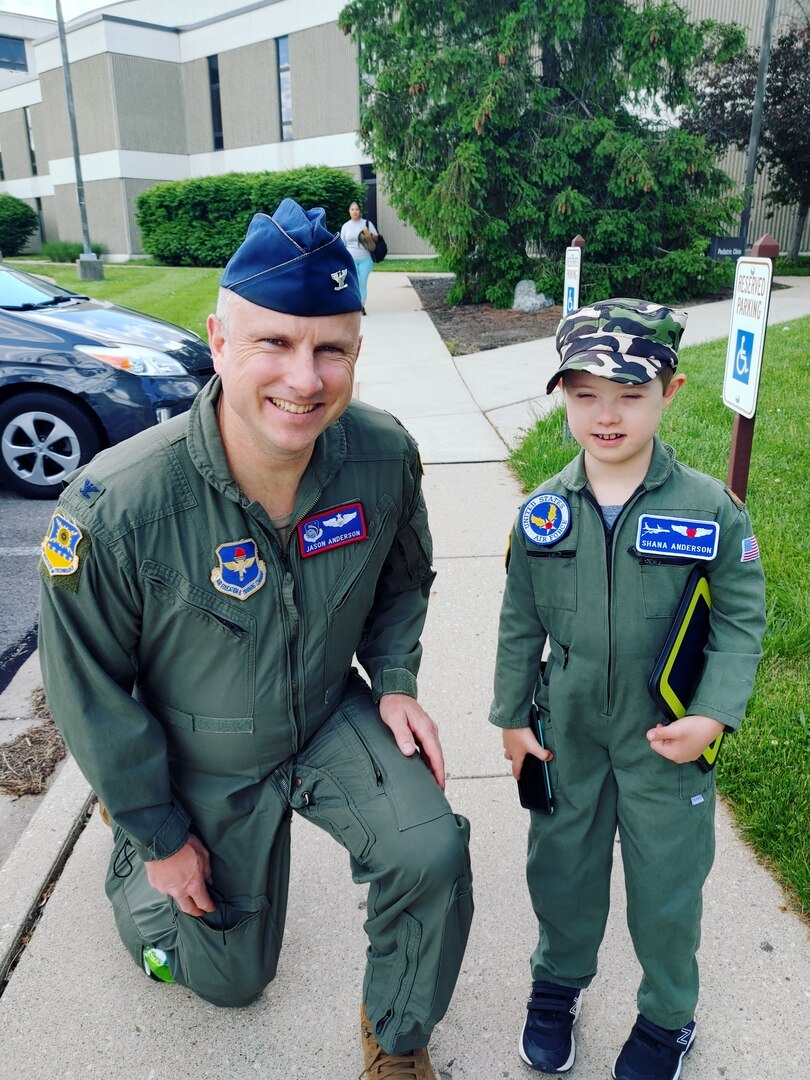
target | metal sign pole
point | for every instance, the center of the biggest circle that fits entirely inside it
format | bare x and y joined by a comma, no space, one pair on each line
742,436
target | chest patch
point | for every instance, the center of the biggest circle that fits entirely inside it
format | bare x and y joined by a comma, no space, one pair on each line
684,538
332,528
239,571
545,518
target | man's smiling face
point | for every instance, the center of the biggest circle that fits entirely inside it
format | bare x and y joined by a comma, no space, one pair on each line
285,378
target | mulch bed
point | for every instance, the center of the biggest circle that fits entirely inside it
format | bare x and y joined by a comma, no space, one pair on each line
470,328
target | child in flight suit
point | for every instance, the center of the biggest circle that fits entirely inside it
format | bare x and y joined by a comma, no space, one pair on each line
599,558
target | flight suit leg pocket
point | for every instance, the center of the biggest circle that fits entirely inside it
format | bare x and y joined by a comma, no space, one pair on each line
693,783
229,956
410,786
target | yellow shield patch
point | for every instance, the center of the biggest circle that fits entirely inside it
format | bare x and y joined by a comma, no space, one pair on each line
59,545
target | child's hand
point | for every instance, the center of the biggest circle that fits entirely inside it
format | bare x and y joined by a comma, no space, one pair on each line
685,739
517,743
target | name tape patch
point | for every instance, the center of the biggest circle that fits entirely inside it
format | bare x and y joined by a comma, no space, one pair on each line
545,518
332,528
683,538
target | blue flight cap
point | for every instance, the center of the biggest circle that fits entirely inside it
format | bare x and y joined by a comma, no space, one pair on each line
290,262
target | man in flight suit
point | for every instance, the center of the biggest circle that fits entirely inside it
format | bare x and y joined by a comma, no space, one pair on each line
205,587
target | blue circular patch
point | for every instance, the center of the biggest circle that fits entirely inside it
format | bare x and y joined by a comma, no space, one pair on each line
545,519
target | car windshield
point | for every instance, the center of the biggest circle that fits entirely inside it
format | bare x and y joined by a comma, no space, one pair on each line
21,292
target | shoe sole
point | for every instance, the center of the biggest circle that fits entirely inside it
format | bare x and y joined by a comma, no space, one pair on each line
680,1059
571,1056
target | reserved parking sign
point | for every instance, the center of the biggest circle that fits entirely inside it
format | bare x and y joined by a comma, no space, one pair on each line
749,319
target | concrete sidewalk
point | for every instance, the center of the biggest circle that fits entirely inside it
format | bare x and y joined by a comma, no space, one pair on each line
75,1005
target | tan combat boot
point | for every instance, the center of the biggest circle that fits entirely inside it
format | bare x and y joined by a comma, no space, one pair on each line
415,1065
104,814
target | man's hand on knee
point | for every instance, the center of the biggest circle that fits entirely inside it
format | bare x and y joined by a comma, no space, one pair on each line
412,728
183,876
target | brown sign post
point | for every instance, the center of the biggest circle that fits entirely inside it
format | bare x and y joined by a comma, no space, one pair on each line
742,436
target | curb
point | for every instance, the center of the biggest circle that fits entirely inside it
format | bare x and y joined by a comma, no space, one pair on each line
38,857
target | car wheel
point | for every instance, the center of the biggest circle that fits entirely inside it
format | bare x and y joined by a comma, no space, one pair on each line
43,438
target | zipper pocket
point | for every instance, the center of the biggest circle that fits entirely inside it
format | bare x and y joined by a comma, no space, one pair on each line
376,768
375,529
652,560
170,583
551,554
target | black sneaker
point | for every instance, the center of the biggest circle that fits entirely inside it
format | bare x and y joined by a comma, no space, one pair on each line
653,1053
547,1039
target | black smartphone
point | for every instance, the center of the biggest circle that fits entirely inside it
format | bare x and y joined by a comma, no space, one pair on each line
534,785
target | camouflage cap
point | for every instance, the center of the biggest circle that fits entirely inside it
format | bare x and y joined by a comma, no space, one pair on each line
626,341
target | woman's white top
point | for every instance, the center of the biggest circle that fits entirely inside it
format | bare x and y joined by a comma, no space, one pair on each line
350,233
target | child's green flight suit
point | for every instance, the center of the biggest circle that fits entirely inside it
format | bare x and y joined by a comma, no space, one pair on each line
606,609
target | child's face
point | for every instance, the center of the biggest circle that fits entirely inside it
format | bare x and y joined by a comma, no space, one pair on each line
615,422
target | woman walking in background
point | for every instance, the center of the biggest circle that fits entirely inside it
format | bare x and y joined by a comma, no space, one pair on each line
350,234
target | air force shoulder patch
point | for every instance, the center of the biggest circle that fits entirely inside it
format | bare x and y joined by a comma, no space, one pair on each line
59,555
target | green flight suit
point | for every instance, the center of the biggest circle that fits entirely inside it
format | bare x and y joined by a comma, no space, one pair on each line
202,675
606,610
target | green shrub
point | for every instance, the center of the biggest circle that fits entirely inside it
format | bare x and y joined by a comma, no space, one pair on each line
68,250
671,278
201,222
18,222
792,267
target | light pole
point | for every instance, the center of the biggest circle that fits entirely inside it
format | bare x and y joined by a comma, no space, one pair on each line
756,120
89,266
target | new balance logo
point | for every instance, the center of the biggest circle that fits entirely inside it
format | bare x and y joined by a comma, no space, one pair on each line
339,276
684,1036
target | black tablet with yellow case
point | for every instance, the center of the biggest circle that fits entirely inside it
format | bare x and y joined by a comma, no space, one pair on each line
680,663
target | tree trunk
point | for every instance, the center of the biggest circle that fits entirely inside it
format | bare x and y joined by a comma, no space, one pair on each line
798,232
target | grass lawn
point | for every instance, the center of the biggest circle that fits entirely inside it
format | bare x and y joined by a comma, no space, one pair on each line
179,294
764,771
411,266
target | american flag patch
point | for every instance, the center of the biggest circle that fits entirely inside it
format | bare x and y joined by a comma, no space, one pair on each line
750,549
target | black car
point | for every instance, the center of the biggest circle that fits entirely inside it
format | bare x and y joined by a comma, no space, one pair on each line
77,375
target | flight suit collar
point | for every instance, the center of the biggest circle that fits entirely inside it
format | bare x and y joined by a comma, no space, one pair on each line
663,460
208,453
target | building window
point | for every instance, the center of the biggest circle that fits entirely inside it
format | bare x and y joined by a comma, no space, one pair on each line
12,54
31,149
369,177
216,103
2,170
38,202
284,87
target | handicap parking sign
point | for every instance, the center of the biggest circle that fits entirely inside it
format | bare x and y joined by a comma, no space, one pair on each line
569,300
743,356
746,336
